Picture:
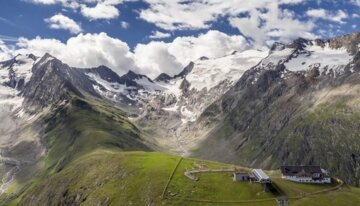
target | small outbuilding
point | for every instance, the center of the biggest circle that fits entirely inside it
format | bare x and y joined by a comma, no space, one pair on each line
241,177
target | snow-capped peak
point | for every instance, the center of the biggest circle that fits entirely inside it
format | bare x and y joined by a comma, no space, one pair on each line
303,55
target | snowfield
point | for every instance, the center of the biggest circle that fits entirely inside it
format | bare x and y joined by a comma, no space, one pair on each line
210,73
325,59
320,57
21,69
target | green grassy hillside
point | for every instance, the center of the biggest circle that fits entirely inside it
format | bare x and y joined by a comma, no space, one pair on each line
71,130
81,127
110,177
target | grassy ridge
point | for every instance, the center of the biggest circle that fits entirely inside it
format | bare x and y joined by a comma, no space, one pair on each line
81,127
75,129
104,177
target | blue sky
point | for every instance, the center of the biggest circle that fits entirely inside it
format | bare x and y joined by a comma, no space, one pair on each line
157,28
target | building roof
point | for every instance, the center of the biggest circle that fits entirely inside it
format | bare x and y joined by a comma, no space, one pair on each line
259,173
300,170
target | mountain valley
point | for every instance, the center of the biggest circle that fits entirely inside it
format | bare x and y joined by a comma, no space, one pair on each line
297,103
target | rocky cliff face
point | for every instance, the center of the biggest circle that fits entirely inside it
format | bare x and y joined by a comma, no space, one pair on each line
53,82
300,105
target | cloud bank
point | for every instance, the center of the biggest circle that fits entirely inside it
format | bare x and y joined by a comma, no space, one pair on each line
91,50
84,50
258,20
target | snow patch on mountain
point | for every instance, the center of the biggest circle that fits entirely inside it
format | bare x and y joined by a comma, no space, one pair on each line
172,86
23,67
16,70
207,80
187,115
311,56
320,57
149,85
277,56
171,109
109,86
208,73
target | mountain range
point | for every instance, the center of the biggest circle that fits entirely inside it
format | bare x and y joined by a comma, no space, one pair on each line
297,103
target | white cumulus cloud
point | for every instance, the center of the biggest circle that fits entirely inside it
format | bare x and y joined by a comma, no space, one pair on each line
5,51
84,50
60,21
124,25
100,11
44,1
256,19
159,35
73,4
263,26
154,58
339,16
356,2
180,14
92,9
157,56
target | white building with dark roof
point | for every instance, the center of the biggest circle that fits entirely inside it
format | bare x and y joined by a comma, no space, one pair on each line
305,174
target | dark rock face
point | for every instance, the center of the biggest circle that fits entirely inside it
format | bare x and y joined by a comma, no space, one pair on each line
46,86
186,71
184,86
105,73
299,43
166,78
132,75
12,82
33,57
8,63
53,82
277,47
267,120
163,78
350,42
203,58
129,79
